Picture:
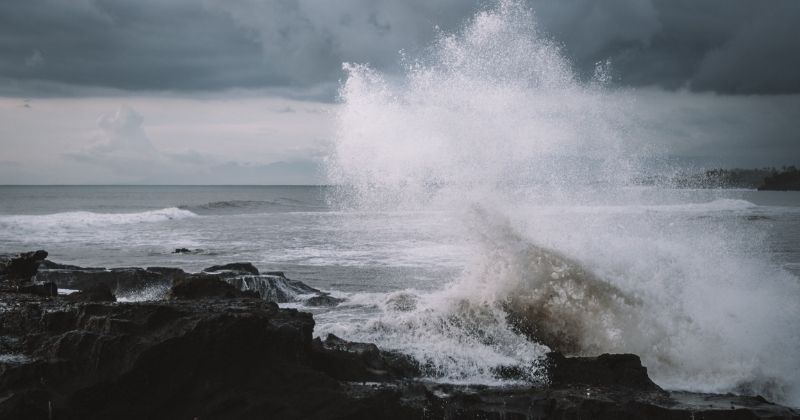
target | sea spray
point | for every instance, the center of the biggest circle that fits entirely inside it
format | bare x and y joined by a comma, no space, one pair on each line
492,126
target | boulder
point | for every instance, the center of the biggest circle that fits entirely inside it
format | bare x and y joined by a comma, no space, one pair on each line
40,289
21,267
206,286
351,361
51,265
271,287
99,292
120,280
238,268
610,370
323,299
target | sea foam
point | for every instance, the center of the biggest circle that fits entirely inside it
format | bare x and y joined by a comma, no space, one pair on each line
78,219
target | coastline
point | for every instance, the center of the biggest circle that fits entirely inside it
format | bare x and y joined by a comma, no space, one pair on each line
215,346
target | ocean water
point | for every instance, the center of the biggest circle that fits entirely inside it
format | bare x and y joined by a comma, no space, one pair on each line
409,276
487,179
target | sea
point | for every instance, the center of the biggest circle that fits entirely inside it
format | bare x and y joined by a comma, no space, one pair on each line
409,278
483,208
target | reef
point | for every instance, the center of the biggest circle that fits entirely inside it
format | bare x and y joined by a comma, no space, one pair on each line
211,346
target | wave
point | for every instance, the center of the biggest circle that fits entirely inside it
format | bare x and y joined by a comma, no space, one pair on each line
494,126
724,205
251,206
77,219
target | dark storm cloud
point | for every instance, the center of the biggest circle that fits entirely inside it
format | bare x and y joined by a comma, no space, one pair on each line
60,47
731,46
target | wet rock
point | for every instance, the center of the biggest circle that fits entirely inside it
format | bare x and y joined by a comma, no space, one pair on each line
119,280
271,287
351,361
246,358
233,359
206,286
99,292
443,401
211,353
274,273
623,370
51,265
171,273
43,289
323,300
238,268
21,267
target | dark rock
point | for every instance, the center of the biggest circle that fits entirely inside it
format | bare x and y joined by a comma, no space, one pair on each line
187,251
270,287
43,289
120,280
168,272
208,353
21,267
235,359
323,300
246,358
443,401
623,370
206,286
99,292
351,361
50,265
274,273
236,268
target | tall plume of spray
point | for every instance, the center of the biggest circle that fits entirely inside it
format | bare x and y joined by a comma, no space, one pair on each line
491,124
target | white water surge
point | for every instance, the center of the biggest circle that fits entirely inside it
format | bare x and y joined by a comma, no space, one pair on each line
533,166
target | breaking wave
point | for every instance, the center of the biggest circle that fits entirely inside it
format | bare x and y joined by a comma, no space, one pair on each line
79,219
251,206
492,126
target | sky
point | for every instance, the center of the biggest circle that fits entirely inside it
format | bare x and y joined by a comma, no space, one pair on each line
245,91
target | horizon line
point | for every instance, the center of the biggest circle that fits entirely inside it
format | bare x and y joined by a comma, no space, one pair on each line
166,185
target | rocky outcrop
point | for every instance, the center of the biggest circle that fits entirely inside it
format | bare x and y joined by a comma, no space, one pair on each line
205,286
615,370
239,268
43,289
99,292
21,267
323,299
182,359
272,286
119,280
275,287
362,362
218,352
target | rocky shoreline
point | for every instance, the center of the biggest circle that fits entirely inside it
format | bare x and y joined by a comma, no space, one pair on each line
215,344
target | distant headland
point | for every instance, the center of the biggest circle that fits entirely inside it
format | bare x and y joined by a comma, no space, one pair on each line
787,178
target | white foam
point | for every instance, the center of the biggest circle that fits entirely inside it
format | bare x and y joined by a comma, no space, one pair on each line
80,219
494,128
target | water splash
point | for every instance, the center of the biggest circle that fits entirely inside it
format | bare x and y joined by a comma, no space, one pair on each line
492,125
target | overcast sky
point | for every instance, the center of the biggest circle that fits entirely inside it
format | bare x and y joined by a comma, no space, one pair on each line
243,91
